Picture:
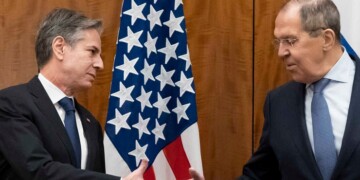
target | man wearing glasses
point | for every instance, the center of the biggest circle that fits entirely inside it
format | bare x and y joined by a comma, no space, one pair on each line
312,125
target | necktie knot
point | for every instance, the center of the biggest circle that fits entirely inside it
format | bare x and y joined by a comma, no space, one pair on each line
67,104
320,85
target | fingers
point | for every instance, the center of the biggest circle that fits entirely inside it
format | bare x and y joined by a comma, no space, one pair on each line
195,175
143,166
139,172
192,172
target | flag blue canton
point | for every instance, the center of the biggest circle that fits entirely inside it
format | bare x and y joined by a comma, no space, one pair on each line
152,98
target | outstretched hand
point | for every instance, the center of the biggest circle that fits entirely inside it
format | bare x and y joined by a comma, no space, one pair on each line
195,175
138,174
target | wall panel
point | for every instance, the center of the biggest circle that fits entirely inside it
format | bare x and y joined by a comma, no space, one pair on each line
220,41
268,68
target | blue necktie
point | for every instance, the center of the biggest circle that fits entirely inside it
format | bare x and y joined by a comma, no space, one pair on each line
70,126
324,146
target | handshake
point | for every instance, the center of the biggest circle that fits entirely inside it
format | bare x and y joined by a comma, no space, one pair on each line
139,172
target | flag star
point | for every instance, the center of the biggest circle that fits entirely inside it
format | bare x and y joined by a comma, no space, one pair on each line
177,4
150,45
147,71
124,94
185,84
169,50
135,12
174,24
154,17
128,66
132,39
165,78
180,110
155,1
186,58
144,99
139,152
161,104
158,131
142,126
120,121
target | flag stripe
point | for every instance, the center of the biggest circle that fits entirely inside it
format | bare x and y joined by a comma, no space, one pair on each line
149,174
114,163
162,168
190,137
176,156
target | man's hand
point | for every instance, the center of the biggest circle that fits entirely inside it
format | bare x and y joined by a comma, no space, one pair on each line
138,173
195,175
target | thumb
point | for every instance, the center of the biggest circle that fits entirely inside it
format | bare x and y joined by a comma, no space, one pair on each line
143,166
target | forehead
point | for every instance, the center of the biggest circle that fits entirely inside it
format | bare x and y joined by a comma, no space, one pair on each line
89,37
288,22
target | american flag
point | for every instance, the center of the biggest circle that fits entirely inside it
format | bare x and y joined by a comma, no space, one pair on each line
350,26
152,109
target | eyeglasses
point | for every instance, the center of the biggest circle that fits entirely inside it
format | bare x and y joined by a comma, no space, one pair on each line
288,42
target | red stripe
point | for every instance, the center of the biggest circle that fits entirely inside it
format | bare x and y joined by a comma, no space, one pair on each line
178,161
149,174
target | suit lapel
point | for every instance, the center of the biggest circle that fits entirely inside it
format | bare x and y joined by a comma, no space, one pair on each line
86,124
351,137
45,106
298,129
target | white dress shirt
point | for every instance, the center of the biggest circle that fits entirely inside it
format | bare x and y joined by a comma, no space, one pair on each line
56,95
337,95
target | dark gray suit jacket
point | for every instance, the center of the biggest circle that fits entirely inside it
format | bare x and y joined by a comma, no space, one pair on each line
33,140
285,151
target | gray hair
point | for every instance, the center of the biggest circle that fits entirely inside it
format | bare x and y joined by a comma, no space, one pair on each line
318,15
65,23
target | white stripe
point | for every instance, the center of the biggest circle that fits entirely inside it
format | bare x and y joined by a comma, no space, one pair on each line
350,22
114,163
162,169
191,143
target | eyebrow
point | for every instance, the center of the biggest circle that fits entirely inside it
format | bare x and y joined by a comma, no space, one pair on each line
286,37
94,47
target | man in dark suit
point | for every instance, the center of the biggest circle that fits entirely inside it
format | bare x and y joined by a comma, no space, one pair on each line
35,142
297,133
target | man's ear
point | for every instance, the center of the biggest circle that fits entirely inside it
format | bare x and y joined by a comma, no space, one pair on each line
58,45
329,39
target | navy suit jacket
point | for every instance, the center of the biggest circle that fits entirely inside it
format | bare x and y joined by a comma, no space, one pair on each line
285,151
33,140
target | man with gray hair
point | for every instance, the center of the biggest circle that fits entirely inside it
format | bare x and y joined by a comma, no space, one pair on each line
311,128
44,132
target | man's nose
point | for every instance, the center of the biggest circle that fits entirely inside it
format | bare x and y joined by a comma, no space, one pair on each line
283,50
99,64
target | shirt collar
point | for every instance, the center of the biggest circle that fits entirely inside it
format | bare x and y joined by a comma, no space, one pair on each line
342,70
52,90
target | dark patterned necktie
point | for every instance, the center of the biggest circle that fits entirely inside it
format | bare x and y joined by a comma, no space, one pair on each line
70,126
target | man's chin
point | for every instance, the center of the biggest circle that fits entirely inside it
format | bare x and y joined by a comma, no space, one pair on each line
85,86
296,77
